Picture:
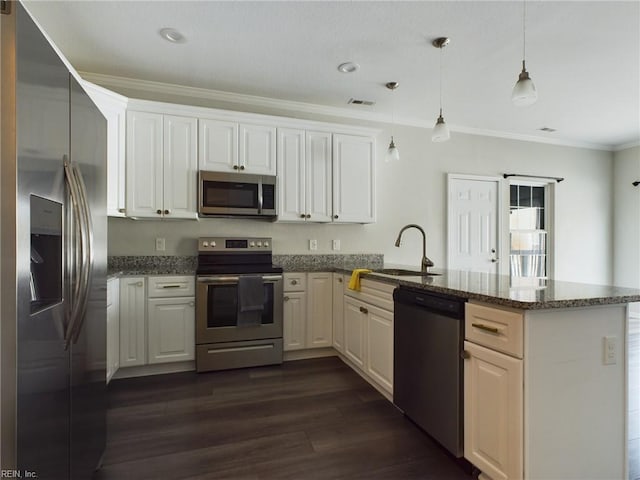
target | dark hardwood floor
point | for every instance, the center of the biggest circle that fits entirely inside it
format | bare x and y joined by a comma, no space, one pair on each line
302,420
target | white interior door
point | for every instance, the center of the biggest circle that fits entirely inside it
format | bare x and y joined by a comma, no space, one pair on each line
473,218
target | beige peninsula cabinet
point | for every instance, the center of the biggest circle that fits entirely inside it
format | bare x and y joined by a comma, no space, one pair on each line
545,392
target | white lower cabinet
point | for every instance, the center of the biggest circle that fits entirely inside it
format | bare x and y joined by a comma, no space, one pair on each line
171,329
493,412
132,321
368,331
113,327
308,310
339,281
157,320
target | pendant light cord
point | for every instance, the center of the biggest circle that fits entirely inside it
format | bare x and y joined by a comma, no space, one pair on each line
524,29
441,80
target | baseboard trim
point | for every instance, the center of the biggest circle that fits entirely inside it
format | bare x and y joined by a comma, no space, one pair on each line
310,353
158,369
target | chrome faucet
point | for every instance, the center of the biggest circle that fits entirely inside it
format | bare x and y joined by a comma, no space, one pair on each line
426,263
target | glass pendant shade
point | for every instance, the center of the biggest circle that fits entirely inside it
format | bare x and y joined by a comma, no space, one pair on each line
393,154
524,92
440,131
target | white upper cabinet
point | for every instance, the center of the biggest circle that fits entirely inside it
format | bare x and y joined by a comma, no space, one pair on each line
354,179
304,175
228,146
217,145
162,165
114,108
257,152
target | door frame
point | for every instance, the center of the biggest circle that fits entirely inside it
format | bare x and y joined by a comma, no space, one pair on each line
501,236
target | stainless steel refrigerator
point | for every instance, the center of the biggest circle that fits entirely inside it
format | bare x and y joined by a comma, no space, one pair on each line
53,261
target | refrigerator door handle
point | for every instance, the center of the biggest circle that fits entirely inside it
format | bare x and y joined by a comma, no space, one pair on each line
82,255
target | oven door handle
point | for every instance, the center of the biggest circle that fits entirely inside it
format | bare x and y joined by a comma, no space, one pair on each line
229,280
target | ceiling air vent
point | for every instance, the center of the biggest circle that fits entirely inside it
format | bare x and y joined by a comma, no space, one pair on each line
355,101
547,129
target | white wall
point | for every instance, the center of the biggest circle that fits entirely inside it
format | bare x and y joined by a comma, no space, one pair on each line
626,260
414,191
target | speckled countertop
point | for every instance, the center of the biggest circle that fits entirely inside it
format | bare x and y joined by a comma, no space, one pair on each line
497,289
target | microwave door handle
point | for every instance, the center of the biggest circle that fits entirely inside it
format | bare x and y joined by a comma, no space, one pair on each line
260,196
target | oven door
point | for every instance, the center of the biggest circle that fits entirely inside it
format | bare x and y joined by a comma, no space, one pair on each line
217,310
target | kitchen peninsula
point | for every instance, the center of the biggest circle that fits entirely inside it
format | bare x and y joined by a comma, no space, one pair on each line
545,374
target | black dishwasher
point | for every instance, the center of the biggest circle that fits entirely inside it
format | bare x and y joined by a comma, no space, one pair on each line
428,337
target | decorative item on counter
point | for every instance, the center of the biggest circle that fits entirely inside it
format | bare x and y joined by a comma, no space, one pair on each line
354,283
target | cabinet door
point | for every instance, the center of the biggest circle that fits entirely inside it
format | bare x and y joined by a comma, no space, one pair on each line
294,320
318,180
380,347
180,183
218,145
338,312
257,152
132,321
291,175
113,327
144,164
171,329
353,179
320,309
355,319
493,412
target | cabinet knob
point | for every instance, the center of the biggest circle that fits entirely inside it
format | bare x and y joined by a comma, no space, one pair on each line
139,284
167,212
308,215
241,167
339,279
159,212
494,260
286,299
302,215
294,282
364,310
335,216
235,167
192,304
122,210
465,355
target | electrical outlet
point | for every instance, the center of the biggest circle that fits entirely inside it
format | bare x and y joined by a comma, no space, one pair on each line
160,244
610,350
336,244
313,244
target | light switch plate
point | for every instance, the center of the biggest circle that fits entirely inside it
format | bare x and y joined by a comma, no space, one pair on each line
313,244
336,244
160,244
610,350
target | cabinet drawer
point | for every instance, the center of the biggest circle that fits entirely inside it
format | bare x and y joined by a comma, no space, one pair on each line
379,294
295,282
494,328
171,286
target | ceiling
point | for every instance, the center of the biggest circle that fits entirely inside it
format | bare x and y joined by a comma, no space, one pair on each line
583,56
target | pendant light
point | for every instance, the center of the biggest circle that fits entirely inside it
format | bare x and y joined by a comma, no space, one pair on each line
524,92
393,155
440,132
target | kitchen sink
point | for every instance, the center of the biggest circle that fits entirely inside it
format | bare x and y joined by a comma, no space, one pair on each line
401,272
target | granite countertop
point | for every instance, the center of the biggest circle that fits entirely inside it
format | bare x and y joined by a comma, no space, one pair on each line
497,289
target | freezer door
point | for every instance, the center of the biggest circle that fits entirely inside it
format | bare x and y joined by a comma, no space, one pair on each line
42,141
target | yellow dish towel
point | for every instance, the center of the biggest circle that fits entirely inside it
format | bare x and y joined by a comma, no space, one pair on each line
354,283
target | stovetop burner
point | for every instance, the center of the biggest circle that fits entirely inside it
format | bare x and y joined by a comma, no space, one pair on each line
220,255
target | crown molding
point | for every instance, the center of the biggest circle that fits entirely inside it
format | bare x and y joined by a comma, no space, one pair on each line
625,146
254,100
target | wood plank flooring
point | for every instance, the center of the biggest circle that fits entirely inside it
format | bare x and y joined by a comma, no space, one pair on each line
309,419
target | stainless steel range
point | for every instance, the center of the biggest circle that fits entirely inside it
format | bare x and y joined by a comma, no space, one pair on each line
238,304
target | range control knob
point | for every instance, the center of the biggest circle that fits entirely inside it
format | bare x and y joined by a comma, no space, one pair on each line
266,244
213,244
205,244
252,244
259,244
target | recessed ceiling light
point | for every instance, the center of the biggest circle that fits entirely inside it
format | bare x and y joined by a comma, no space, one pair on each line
547,129
172,35
348,67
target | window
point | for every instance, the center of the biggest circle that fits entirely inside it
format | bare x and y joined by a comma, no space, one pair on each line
529,233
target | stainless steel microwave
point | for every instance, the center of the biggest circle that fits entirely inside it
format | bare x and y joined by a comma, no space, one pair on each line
236,194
